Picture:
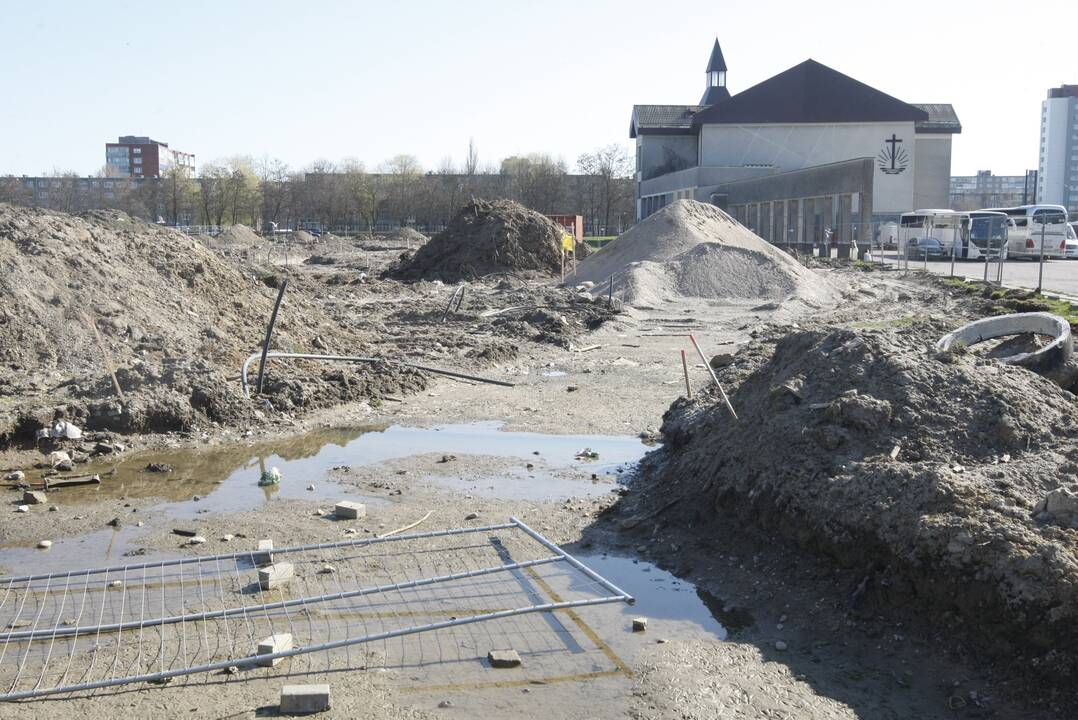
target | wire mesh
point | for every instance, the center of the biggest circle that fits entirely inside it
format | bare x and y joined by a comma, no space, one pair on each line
347,605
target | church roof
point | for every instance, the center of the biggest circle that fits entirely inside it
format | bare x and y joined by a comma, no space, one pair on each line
662,119
941,118
810,93
716,62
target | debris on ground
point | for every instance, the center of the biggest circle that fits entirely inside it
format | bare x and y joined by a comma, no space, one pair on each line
691,249
503,658
270,477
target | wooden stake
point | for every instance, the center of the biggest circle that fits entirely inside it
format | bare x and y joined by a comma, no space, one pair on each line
106,359
685,369
714,377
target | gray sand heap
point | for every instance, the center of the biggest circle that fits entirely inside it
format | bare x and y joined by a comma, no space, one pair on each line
691,249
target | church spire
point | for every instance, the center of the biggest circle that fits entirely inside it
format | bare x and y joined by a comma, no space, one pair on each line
716,90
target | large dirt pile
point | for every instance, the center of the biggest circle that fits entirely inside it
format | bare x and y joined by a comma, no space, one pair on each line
177,321
239,235
484,238
949,479
695,250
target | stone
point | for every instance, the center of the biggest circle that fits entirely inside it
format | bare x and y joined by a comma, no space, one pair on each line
196,540
640,624
780,645
471,516
349,510
116,584
270,477
34,497
23,508
275,576
227,538
319,512
281,642
53,508
45,544
328,570
304,699
264,556
721,360
17,476
310,488
503,658
1061,504
59,457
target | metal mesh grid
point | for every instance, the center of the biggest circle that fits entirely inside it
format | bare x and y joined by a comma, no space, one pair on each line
349,605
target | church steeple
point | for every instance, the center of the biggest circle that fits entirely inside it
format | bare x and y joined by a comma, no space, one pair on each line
716,90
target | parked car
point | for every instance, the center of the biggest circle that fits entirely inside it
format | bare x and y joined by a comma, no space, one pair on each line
933,248
1071,253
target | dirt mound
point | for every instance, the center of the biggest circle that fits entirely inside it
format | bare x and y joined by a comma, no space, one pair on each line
484,238
239,234
695,250
177,321
407,236
943,476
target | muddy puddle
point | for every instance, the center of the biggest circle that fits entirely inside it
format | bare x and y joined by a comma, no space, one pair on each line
675,609
225,479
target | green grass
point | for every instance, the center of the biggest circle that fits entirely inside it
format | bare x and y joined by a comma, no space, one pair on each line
1017,300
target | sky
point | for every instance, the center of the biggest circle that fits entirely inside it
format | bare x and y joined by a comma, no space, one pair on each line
327,79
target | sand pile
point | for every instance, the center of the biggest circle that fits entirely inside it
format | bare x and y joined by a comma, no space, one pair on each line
240,235
949,479
484,238
409,237
176,318
695,250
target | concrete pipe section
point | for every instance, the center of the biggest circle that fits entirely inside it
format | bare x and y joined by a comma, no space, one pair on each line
1042,360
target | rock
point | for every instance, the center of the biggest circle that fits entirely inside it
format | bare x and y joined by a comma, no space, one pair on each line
64,466
503,658
227,538
445,704
182,532
350,510
572,388
328,570
54,508
116,584
304,699
319,512
114,522
447,458
1061,504
196,540
862,412
640,624
158,467
281,642
45,544
471,516
310,488
232,670
17,476
57,457
780,645
722,360
264,556
34,497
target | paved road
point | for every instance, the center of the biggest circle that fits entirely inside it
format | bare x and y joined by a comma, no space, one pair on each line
1060,276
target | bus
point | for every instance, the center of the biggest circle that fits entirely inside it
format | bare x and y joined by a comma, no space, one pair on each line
937,233
1031,224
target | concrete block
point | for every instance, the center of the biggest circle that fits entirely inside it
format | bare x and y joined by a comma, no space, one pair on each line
274,576
264,556
503,658
34,497
304,699
640,624
274,644
350,510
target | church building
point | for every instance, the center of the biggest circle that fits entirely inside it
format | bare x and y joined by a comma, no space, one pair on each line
809,132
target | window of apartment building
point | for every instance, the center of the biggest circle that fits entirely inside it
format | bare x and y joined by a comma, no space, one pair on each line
138,161
137,151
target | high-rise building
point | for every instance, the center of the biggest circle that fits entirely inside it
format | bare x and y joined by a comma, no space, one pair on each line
985,190
141,157
1058,177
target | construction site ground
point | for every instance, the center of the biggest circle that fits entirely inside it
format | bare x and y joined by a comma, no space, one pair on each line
741,624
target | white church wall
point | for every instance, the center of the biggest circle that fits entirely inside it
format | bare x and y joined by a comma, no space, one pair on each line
798,146
932,179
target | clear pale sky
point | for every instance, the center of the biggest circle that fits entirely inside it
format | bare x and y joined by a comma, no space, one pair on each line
329,79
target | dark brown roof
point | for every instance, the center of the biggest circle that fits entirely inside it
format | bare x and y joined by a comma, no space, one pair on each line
941,118
809,93
663,119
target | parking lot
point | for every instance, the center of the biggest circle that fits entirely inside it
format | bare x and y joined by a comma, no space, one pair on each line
1060,276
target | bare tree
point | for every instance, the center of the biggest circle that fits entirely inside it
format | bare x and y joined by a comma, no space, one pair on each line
537,180
403,173
273,174
612,166
471,159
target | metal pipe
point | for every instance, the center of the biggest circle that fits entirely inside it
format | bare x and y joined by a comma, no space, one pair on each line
209,667
269,333
359,542
56,632
574,562
367,360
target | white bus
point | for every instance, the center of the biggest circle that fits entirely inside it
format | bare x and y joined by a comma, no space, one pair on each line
937,233
1031,223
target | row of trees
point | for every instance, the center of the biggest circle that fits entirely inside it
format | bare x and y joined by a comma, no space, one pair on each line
399,191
